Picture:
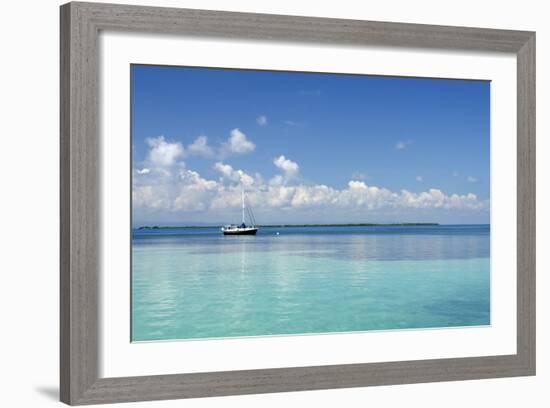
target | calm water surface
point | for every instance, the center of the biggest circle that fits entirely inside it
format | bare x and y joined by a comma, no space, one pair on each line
197,283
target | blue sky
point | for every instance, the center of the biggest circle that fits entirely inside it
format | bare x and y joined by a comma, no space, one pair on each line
307,147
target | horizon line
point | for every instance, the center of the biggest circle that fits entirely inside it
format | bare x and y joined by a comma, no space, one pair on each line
277,225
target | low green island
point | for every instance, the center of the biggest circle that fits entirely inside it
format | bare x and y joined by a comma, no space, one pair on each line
366,224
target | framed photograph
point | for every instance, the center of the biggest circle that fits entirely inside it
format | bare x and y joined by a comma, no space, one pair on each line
262,203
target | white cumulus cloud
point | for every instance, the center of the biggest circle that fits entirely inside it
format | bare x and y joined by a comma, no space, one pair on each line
200,147
225,169
163,153
238,143
289,168
237,176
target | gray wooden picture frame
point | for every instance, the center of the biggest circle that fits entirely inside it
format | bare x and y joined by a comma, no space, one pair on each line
80,191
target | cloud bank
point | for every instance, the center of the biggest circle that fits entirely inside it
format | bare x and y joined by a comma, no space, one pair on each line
166,185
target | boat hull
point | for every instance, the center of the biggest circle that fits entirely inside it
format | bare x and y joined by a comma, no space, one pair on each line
241,231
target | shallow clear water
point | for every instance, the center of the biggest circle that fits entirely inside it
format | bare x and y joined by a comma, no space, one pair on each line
197,283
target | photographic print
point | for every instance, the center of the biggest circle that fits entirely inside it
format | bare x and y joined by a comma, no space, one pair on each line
296,203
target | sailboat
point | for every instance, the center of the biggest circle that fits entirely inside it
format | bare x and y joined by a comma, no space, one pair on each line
242,229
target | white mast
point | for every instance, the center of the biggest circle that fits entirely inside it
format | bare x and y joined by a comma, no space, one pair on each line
242,199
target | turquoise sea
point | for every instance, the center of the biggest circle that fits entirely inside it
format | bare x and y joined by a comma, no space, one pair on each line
197,283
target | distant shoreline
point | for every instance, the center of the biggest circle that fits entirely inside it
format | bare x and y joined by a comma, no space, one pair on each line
401,224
